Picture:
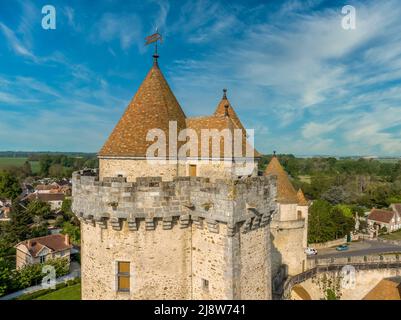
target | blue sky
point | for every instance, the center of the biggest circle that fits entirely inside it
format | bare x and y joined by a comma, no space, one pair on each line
306,85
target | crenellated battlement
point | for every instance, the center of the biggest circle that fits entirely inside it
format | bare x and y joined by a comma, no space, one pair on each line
246,203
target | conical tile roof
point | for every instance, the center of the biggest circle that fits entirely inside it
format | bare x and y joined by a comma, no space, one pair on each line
153,106
285,190
221,111
301,198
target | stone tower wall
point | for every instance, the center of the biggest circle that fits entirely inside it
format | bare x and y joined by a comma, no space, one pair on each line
136,168
175,235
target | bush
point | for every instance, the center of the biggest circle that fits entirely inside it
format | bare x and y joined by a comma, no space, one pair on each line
14,280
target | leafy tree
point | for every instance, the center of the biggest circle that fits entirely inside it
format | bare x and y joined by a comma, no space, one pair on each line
335,195
73,231
347,211
19,226
27,169
56,170
39,208
9,186
320,225
342,225
393,199
5,276
45,162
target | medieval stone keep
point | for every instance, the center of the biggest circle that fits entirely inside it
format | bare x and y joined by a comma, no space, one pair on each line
193,229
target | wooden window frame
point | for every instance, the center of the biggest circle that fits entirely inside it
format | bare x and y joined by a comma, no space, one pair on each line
190,167
123,275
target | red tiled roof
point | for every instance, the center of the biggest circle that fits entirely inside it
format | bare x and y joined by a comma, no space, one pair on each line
381,215
152,107
44,187
45,197
221,111
55,242
219,122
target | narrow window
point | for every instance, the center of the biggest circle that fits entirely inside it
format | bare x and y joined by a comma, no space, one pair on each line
205,284
299,215
192,170
123,277
42,259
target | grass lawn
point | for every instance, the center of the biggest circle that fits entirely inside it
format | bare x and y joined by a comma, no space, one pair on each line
67,293
392,236
18,162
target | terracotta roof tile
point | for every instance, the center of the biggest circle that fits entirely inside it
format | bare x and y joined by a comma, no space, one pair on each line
301,198
221,110
153,106
285,190
46,196
381,215
219,122
386,289
55,242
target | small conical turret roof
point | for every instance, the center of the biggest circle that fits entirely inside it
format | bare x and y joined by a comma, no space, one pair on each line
301,198
153,106
224,107
285,190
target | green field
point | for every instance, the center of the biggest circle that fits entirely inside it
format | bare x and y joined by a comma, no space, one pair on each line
67,293
18,162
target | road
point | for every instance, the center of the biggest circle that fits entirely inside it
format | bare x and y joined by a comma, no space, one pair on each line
360,248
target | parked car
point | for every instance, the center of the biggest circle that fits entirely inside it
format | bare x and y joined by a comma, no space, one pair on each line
310,251
342,247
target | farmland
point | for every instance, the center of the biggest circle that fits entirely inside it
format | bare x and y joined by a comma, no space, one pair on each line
6,162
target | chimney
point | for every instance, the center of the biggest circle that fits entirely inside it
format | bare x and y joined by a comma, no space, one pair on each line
67,239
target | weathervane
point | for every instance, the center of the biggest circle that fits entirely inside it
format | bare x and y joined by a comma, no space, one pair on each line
154,38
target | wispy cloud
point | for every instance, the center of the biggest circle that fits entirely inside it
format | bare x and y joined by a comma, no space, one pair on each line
125,28
15,44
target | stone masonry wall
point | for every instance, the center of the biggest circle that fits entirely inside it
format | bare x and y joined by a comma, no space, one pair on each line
175,234
159,261
134,168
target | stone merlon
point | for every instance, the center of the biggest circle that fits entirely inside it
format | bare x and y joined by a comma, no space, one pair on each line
227,201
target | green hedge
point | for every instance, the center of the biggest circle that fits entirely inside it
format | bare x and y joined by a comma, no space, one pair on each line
14,280
36,294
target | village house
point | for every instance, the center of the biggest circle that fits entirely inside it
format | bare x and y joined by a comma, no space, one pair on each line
5,209
63,186
385,218
55,200
39,250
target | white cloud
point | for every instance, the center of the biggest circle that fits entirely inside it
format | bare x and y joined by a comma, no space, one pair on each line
16,45
126,28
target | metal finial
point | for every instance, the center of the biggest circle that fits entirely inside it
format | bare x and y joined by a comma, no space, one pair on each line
154,38
225,94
